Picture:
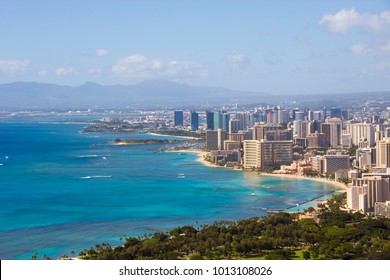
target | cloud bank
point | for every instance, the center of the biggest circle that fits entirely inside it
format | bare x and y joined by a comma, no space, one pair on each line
344,20
138,66
12,66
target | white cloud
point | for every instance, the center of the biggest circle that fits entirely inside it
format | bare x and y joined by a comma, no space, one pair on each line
64,71
102,52
141,67
95,71
12,66
372,49
238,61
343,20
237,58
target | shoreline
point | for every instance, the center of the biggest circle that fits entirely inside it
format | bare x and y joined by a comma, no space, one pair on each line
185,137
201,159
340,187
200,154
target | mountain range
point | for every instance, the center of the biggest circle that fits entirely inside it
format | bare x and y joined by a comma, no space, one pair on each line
155,93
150,92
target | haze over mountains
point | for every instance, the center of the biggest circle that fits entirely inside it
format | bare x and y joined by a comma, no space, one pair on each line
150,93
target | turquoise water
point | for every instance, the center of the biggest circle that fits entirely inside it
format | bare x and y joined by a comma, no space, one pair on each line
62,190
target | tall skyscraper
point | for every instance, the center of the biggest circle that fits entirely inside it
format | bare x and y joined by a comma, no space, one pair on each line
335,131
335,112
217,120
243,120
234,126
383,153
225,121
210,120
178,118
194,121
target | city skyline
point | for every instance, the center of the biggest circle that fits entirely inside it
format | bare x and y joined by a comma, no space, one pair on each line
276,47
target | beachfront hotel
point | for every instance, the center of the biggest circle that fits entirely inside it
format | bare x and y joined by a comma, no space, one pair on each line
259,154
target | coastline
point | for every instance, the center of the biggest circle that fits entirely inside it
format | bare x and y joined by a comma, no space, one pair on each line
340,187
185,137
201,159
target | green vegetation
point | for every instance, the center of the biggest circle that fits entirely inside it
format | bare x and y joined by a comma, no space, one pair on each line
346,181
311,173
352,150
336,234
179,132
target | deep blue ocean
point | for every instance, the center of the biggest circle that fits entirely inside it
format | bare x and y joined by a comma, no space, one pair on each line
62,190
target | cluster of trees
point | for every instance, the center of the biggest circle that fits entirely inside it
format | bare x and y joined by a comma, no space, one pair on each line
336,234
180,132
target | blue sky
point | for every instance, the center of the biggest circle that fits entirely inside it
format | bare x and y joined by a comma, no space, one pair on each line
277,47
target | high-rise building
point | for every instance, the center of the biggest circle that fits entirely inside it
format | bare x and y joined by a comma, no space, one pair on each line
252,154
210,120
317,164
316,140
260,130
234,126
277,135
232,145
217,120
277,153
178,118
383,153
365,192
194,121
243,120
333,163
345,114
317,116
225,121
215,139
259,154
335,131
365,158
325,129
299,116
335,112
361,131
330,164
300,128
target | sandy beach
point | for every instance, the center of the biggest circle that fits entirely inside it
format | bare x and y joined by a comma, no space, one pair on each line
202,160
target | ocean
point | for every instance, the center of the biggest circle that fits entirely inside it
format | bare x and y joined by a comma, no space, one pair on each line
63,190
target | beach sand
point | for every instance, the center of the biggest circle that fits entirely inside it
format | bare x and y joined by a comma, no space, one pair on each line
201,158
